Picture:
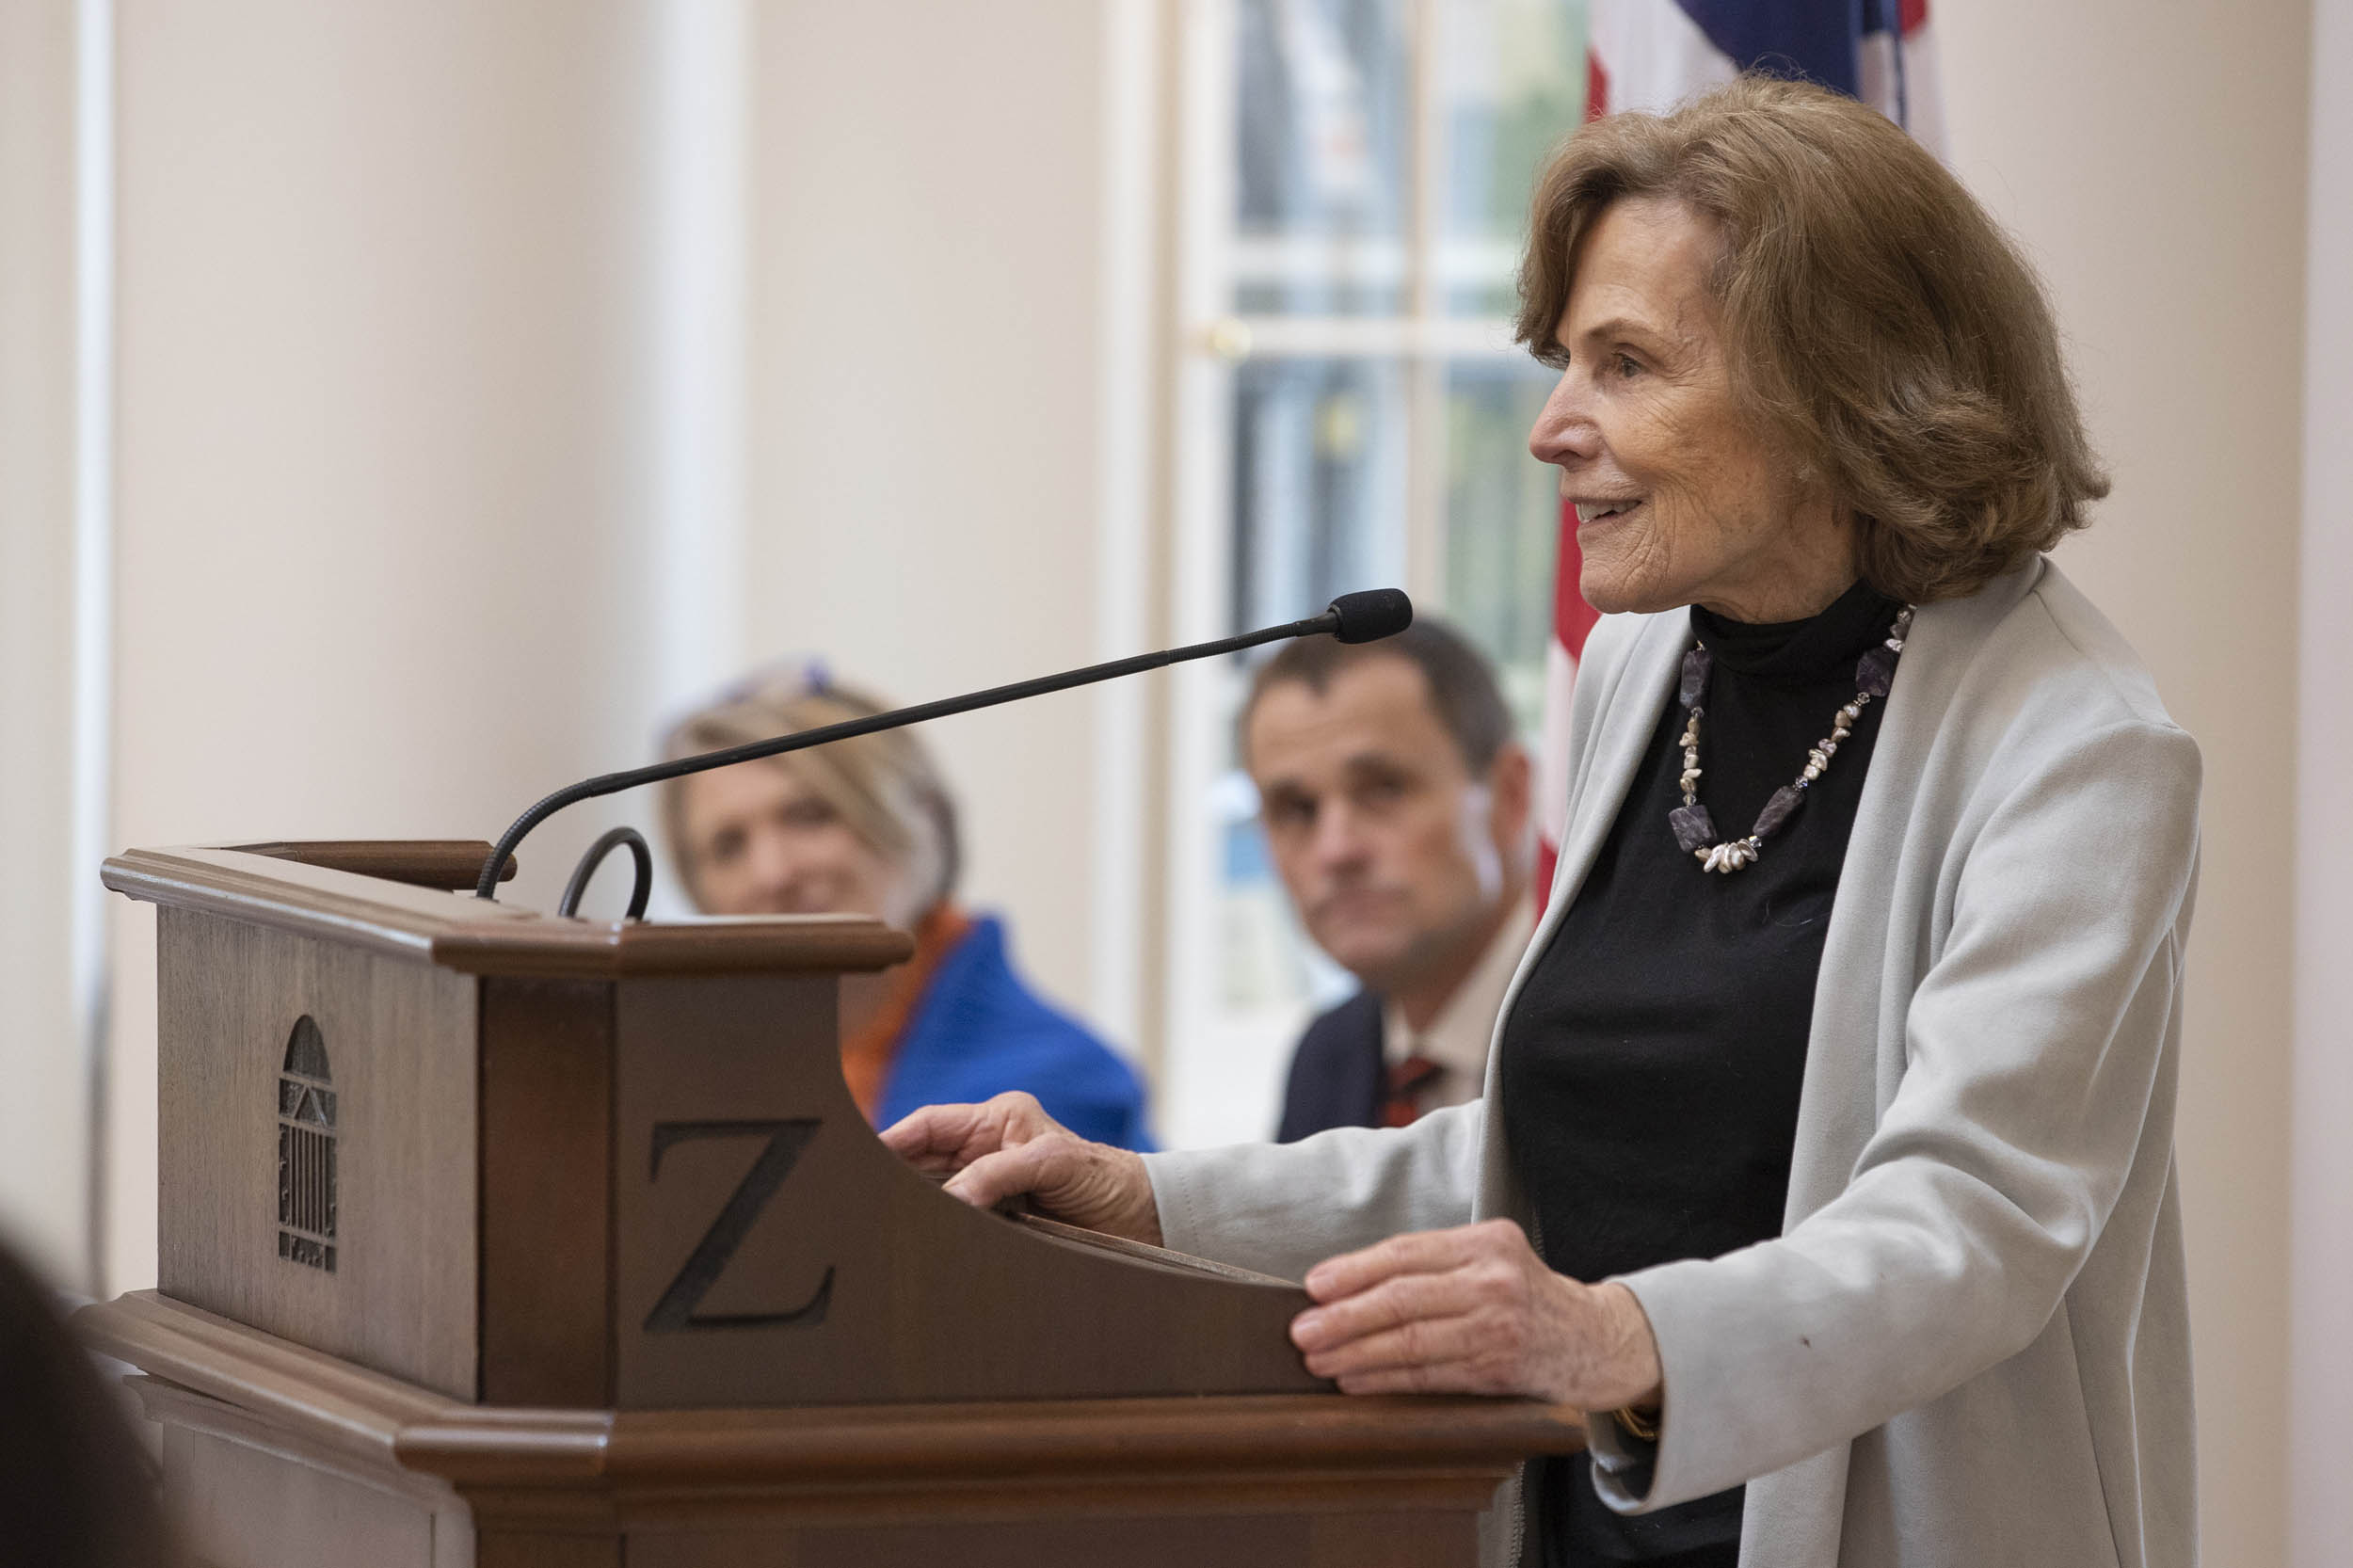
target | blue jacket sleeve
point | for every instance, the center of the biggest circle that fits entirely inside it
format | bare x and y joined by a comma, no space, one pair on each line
978,1031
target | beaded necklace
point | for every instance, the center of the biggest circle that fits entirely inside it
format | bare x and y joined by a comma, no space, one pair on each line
1694,830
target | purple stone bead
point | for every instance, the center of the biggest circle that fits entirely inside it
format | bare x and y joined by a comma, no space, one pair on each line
1876,671
1779,810
1694,677
1693,829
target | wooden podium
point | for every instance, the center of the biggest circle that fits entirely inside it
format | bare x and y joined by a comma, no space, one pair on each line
490,1237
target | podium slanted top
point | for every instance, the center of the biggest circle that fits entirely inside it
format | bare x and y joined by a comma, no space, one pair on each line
384,897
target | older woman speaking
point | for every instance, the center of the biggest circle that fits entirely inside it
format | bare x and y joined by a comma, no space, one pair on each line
1827,1145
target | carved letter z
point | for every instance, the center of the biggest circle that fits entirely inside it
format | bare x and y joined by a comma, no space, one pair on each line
675,1309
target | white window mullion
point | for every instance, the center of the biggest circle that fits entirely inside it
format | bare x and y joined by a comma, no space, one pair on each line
1426,461
1200,511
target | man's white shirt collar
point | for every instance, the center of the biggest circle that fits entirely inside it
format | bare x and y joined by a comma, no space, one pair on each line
1457,1038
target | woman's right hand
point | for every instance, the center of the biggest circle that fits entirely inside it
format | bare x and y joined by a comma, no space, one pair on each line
1009,1148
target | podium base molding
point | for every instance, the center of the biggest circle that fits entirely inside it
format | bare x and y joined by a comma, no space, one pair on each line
276,1456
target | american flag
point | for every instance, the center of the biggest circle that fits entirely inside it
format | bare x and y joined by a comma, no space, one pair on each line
1650,54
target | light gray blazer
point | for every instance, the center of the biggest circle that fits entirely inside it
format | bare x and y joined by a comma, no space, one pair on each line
1969,1344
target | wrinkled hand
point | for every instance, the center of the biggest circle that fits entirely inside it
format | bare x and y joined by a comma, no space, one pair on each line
1009,1147
1474,1310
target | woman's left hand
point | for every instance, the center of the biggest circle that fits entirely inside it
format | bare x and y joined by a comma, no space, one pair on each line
1474,1310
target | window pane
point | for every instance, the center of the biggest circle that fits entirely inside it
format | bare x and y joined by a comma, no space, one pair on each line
1318,484
1514,86
1503,511
1268,969
1322,157
1319,509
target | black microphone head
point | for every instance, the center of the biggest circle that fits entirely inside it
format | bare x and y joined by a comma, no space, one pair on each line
1370,614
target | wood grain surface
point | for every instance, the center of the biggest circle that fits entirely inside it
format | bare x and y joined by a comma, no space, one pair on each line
449,864
400,1043
578,1176
366,1415
485,936
876,1286
621,1275
547,1191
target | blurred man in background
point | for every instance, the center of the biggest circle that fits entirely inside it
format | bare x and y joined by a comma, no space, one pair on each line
867,826
1397,808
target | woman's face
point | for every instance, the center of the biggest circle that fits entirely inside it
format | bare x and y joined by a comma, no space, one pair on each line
760,841
1679,500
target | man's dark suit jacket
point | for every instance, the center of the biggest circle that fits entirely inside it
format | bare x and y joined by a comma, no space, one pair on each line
1337,1076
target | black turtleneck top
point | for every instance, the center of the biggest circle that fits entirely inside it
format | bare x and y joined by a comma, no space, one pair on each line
1652,1064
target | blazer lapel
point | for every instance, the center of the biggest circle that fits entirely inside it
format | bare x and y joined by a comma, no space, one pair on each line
1854,1054
1606,771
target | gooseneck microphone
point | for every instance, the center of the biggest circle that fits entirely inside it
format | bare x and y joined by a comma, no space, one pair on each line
1359,617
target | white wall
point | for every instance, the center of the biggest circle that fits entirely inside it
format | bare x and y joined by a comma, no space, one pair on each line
383,470
404,463
2320,1421
927,402
42,1105
2153,161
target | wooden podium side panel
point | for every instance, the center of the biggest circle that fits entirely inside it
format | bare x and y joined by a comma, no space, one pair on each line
729,1239
278,1456
546,1200
771,1250
322,1189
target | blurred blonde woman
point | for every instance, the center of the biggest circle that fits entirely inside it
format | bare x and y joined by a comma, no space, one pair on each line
867,826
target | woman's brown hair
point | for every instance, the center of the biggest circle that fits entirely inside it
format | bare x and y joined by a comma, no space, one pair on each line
1875,317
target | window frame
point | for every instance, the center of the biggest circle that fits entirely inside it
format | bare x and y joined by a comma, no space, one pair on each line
1221,1073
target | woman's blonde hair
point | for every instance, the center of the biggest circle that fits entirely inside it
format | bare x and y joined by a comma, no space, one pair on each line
886,787
1877,321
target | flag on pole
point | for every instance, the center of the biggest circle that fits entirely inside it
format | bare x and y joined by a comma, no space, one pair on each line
1651,55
